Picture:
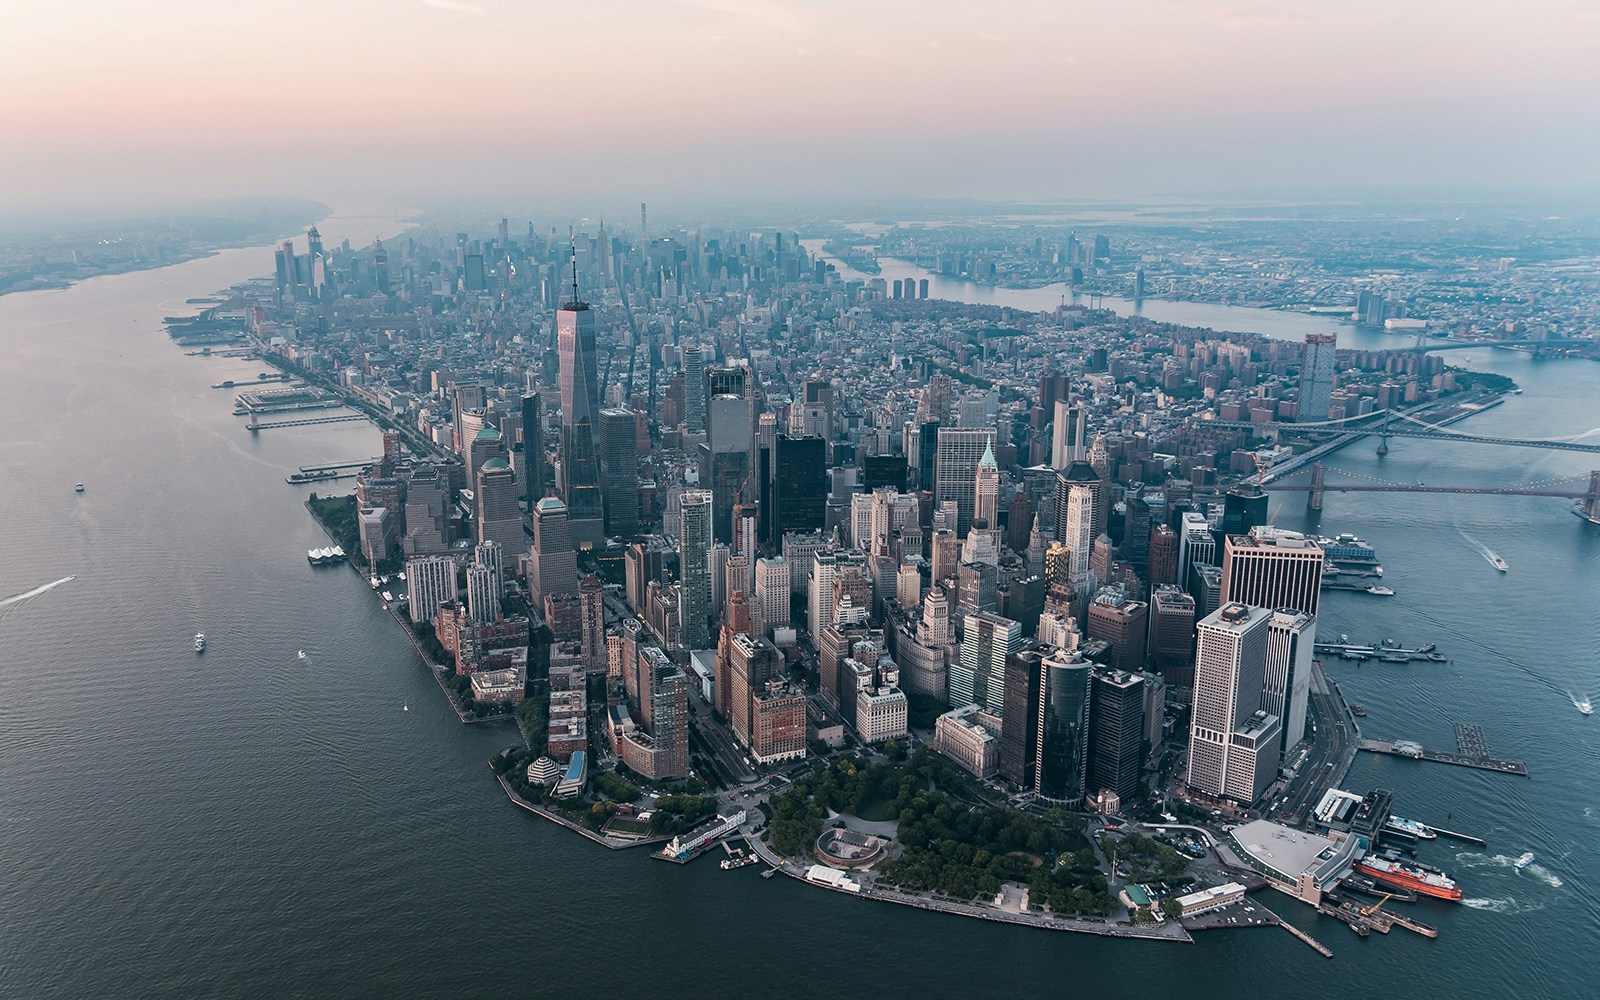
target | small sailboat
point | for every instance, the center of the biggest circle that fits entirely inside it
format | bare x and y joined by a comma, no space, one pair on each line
405,707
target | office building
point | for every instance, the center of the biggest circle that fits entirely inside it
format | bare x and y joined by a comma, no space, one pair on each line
1068,441
499,518
967,736
1291,641
777,723
773,593
1244,507
694,389
1019,733
986,492
553,565
796,497
979,676
579,380
960,452
1172,618
694,569
530,459
1078,492
619,471
1122,622
1061,750
1230,668
1116,733
1163,559
1272,568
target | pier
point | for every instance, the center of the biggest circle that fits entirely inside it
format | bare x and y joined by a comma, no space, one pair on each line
255,425
1484,763
1320,948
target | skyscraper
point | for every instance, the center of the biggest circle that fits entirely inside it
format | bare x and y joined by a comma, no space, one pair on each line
773,593
694,390
532,456
979,676
1061,748
430,581
1318,361
725,454
986,491
1291,639
578,378
483,600
553,568
1228,732
498,516
1272,568
1116,733
694,569
1172,618
1077,493
1243,507
1067,443
619,470
960,451
1019,740
591,611
799,490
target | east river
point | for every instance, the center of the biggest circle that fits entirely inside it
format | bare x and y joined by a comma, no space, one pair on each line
253,823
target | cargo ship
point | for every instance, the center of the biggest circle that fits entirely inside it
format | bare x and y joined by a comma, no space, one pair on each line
1407,876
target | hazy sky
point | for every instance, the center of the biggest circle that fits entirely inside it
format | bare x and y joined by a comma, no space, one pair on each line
688,99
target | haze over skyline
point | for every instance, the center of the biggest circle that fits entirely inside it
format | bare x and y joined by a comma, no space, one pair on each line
433,100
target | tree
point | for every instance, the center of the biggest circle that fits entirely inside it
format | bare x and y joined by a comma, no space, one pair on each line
1171,907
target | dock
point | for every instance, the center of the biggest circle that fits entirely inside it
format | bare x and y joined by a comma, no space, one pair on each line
1446,757
1441,831
253,427
1320,948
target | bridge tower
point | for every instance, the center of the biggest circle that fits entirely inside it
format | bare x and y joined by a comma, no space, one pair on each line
1314,497
1589,507
255,427
1383,443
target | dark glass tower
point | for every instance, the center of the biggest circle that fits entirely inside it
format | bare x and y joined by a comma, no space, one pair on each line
799,486
1063,742
580,391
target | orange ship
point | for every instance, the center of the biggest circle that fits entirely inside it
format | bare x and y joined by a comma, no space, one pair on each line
1429,883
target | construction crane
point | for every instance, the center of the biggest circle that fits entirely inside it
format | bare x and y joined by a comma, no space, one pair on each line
1375,907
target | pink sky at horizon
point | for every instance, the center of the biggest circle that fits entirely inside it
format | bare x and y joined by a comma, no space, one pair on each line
1018,99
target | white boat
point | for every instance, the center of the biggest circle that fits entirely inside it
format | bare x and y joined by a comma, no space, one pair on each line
1381,591
1500,564
78,488
1524,861
199,642
406,707
301,654
1585,707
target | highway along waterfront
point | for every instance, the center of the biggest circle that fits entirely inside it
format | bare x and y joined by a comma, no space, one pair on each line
253,823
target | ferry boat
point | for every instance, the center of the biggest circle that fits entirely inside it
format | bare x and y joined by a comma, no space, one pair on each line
1524,861
1410,828
1381,591
199,642
1410,876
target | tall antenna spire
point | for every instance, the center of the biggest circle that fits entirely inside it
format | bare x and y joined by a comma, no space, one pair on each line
573,240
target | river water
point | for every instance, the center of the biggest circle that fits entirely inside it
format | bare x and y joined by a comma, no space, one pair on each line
251,823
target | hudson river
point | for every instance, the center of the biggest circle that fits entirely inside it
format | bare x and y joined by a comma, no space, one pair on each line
251,823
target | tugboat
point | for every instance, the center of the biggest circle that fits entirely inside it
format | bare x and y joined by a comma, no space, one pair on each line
1360,711
199,642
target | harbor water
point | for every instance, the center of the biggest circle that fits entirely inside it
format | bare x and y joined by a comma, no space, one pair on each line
250,823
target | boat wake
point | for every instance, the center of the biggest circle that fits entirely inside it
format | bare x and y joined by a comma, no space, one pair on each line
35,592
1507,905
1490,556
1473,861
